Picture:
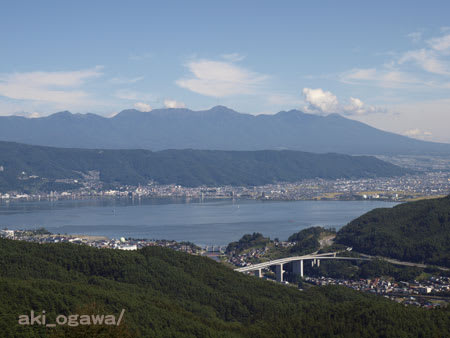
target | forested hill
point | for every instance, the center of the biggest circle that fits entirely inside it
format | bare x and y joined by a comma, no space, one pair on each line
416,232
183,167
173,294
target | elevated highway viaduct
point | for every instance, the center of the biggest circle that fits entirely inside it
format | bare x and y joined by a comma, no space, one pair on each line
297,264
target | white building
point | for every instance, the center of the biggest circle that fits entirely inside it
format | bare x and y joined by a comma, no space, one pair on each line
127,247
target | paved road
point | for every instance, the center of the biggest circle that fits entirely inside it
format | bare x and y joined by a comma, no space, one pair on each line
397,262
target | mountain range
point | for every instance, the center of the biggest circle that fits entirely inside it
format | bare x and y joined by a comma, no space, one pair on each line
218,128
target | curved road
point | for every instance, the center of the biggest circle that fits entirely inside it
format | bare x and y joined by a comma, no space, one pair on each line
397,262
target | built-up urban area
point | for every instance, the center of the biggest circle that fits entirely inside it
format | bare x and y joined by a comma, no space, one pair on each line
429,293
400,188
43,236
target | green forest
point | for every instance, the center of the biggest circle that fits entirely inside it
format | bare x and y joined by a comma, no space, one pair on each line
42,165
255,240
415,232
172,294
307,240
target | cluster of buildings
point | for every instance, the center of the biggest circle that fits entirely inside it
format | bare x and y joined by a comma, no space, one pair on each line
249,257
246,258
389,189
431,292
98,241
426,293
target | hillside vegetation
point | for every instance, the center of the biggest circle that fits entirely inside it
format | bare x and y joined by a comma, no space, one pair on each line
172,294
416,232
22,163
255,240
308,240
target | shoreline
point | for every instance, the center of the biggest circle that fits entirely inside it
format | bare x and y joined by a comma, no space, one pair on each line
184,199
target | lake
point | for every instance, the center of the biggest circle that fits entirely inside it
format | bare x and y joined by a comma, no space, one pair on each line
204,223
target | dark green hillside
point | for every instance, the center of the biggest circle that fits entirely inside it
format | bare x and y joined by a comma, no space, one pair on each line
416,232
308,240
256,240
172,294
183,167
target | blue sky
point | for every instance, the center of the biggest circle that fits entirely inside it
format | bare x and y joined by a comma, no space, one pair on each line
386,63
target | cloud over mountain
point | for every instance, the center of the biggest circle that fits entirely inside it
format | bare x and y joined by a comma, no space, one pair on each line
324,102
220,79
173,104
143,107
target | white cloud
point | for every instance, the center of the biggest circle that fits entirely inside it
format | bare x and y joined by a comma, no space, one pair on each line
53,87
173,104
32,115
357,107
143,107
233,57
324,102
427,60
427,116
320,101
386,78
220,79
412,132
361,74
441,44
417,133
424,68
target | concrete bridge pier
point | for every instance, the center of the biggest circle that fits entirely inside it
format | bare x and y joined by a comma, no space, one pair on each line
318,262
279,272
258,273
297,267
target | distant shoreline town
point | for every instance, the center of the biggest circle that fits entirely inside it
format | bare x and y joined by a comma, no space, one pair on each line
403,188
43,236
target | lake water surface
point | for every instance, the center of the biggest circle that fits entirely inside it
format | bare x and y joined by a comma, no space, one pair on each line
204,223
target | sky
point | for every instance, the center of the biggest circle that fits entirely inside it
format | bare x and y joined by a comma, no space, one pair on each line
385,63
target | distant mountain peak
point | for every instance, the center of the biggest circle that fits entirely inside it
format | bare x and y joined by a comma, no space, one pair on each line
62,114
218,128
130,111
296,111
335,115
291,114
127,112
223,110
